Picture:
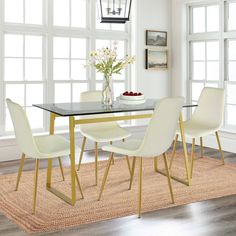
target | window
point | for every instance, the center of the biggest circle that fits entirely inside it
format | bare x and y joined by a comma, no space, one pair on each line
212,53
45,45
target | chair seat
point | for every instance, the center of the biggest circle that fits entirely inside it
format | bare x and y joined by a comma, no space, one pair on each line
51,146
129,147
105,134
195,129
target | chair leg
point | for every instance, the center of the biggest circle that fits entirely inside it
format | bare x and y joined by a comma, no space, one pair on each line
192,157
168,176
61,167
201,146
155,162
96,163
79,185
35,184
20,171
174,149
140,186
132,173
82,152
112,161
128,163
220,149
105,175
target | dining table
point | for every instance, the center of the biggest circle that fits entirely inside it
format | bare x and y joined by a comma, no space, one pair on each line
93,112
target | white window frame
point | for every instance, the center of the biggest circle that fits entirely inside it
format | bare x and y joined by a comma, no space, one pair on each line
48,31
222,36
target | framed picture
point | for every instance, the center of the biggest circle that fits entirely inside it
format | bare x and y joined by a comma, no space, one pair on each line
156,38
156,59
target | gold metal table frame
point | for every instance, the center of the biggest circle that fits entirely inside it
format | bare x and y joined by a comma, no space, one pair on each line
73,122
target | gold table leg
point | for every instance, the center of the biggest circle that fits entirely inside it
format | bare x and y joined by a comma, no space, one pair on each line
82,152
71,200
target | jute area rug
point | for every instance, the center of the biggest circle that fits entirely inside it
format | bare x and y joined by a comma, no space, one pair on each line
210,180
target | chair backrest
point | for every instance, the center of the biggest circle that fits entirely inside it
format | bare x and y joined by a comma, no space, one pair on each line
95,96
22,129
91,96
210,109
162,127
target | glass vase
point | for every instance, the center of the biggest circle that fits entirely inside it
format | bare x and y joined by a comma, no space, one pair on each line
107,91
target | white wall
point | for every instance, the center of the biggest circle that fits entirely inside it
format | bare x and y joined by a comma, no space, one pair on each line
151,15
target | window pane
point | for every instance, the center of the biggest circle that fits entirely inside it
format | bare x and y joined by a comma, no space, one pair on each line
61,69
33,46
13,45
119,76
78,13
232,71
118,89
33,69
61,12
35,117
231,95
62,93
61,47
119,27
198,19
231,114
34,94
98,86
78,88
78,70
198,70
14,11
78,48
198,51
232,16
196,90
13,69
211,85
232,50
8,121
16,93
100,43
212,50
33,11
213,18
99,76
120,49
212,70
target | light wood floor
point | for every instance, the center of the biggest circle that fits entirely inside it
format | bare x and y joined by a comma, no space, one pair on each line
215,217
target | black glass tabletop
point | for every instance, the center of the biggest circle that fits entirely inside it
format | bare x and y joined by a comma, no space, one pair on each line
93,108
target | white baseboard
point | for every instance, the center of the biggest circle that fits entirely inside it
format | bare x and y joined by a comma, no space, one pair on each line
10,151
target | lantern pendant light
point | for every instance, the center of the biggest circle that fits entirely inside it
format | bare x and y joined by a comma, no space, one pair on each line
114,11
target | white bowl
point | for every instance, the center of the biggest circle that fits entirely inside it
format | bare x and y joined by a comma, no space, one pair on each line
132,98
131,102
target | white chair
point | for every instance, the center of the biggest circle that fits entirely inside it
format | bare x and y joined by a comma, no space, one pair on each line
99,133
41,147
157,139
206,119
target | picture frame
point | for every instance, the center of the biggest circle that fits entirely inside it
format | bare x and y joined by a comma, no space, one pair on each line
156,59
156,38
